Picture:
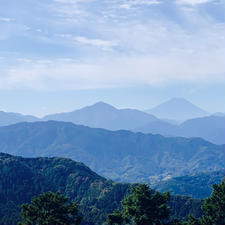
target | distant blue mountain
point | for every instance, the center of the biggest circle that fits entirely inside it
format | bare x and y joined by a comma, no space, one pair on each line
119,155
102,115
219,114
8,118
211,128
178,109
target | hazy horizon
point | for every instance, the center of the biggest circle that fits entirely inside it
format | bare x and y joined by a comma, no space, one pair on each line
102,102
61,55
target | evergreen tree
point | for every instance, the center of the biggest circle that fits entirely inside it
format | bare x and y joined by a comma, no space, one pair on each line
50,209
213,208
176,222
115,218
142,207
194,221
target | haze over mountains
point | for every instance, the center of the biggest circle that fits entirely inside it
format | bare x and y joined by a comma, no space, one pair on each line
119,155
219,114
57,56
211,128
106,116
103,115
186,166
178,109
8,118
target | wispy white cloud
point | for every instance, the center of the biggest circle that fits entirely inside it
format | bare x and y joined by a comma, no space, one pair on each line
6,19
129,4
106,45
193,2
65,36
70,11
204,67
24,60
148,48
72,1
66,1
103,44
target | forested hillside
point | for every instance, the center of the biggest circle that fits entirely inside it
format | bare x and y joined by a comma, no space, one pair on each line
23,178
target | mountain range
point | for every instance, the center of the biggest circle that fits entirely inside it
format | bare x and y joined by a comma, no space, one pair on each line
211,128
21,179
102,115
118,155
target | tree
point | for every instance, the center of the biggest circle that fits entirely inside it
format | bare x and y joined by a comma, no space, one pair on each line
213,208
176,222
50,209
142,207
194,221
115,218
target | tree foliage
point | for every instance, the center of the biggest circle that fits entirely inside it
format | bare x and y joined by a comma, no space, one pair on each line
142,207
21,179
50,208
115,218
213,208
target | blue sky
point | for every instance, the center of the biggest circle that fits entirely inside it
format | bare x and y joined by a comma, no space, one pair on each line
59,55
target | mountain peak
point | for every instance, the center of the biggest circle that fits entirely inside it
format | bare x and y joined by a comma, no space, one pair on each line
103,115
178,99
177,109
102,105
179,102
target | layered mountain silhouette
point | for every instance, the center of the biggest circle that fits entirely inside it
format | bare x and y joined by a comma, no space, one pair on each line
21,179
119,155
102,115
211,128
178,109
8,118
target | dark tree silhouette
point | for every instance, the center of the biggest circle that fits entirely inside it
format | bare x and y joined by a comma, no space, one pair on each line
142,207
50,209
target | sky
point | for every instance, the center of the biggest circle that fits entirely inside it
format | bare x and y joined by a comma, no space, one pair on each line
61,55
